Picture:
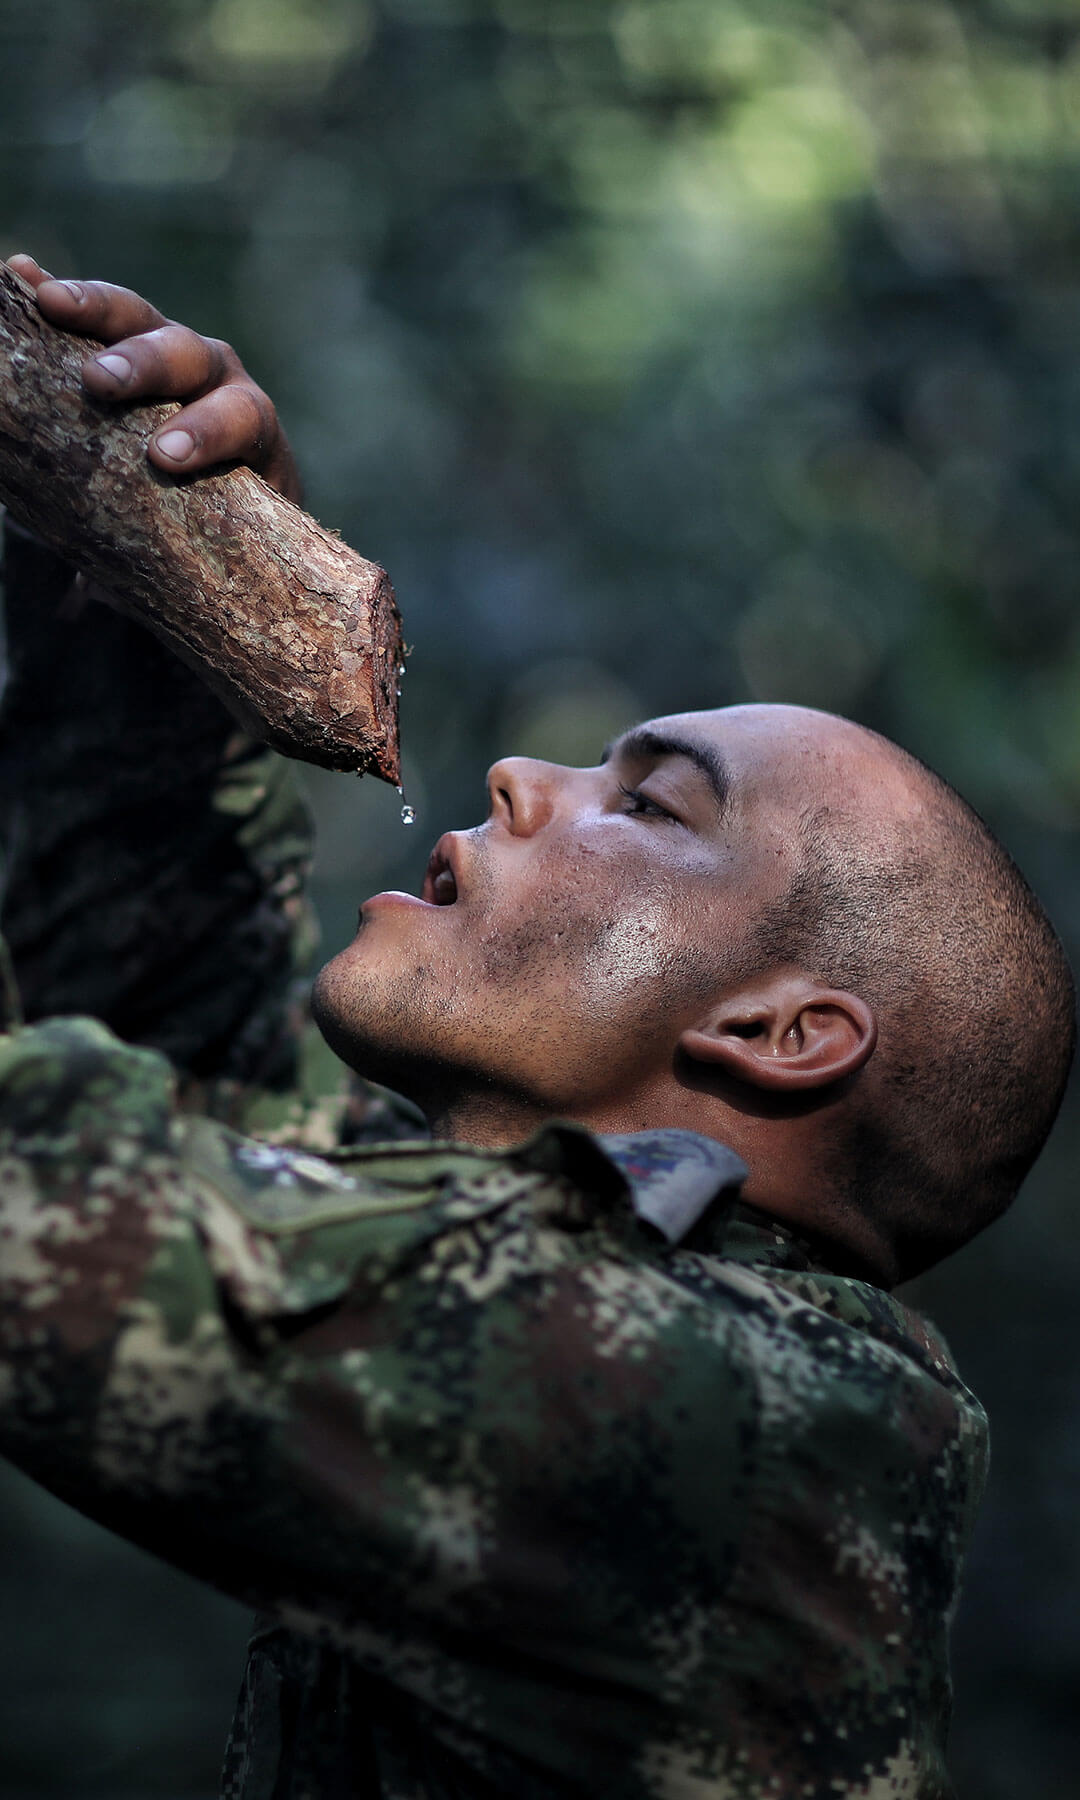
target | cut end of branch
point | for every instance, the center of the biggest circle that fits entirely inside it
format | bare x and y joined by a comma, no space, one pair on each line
297,634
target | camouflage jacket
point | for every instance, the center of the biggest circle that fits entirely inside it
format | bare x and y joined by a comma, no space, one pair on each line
551,1471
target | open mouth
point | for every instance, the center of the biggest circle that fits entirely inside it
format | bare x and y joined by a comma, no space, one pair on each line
440,883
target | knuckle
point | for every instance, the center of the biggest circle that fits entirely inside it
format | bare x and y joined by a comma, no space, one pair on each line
262,419
121,304
144,352
180,337
182,359
206,352
99,305
224,360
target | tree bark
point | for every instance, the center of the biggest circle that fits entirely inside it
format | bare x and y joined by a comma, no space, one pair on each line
297,634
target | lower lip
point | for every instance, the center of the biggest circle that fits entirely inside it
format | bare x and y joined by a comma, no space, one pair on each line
394,898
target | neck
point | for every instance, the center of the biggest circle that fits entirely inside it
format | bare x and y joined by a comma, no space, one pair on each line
790,1180
472,1111
787,1179
478,1112
489,1120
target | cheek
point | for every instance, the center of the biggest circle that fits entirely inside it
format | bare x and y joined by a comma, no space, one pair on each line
540,950
633,949
588,959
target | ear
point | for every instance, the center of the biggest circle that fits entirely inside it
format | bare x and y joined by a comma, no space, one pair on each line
787,1033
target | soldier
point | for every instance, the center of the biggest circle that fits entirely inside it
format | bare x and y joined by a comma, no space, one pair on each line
585,1448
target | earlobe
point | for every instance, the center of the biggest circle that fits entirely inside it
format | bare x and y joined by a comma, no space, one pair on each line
789,1034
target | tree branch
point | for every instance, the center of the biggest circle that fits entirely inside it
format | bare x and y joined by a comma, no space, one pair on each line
298,635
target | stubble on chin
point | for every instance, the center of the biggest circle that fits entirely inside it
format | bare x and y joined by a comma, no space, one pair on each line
360,1015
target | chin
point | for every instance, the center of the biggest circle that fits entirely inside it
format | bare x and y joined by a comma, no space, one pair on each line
371,1031
334,1009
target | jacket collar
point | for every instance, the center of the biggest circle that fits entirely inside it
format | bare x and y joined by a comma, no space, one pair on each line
674,1177
678,1183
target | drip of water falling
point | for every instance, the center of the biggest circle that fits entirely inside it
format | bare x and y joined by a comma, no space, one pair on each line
408,816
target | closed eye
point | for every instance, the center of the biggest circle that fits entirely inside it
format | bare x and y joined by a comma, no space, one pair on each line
641,807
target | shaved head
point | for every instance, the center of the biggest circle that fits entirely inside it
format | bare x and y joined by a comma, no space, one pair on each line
765,924
918,907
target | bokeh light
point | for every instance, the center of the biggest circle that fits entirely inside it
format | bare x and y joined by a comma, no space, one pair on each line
667,353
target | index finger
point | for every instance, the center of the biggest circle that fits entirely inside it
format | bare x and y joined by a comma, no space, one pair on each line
97,309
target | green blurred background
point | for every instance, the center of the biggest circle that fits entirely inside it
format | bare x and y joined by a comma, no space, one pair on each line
667,353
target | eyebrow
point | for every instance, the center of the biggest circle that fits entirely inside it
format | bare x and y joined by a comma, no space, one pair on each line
644,742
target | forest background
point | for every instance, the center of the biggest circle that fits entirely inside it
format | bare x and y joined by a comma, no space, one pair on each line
667,353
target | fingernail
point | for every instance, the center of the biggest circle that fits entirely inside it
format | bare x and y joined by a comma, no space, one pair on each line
116,366
76,292
176,445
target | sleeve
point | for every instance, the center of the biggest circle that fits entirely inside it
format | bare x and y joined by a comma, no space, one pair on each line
351,1392
163,1284
153,857
459,1414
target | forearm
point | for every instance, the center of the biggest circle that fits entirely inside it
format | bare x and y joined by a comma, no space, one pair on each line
154,859
200,1336
128,1378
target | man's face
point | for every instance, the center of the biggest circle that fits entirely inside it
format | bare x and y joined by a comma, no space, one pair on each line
558,951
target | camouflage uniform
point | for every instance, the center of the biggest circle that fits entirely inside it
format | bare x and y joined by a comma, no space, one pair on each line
552,1471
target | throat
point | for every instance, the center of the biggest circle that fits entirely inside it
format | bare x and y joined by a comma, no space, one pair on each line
485,1116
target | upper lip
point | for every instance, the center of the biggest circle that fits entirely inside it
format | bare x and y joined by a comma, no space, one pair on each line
442,883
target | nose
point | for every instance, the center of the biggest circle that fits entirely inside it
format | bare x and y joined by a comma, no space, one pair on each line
523,793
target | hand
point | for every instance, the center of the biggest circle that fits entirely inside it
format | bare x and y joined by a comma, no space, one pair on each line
225,416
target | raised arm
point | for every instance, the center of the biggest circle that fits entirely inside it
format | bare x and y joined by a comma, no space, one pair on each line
154,857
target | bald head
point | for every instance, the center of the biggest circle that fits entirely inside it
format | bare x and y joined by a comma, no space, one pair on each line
765,924
897,890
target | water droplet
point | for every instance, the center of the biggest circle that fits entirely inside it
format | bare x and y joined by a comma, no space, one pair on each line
408,817
401,669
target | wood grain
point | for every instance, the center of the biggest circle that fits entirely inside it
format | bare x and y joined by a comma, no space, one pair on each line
299,635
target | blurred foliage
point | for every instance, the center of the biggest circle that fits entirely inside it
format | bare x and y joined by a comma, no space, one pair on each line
668,353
